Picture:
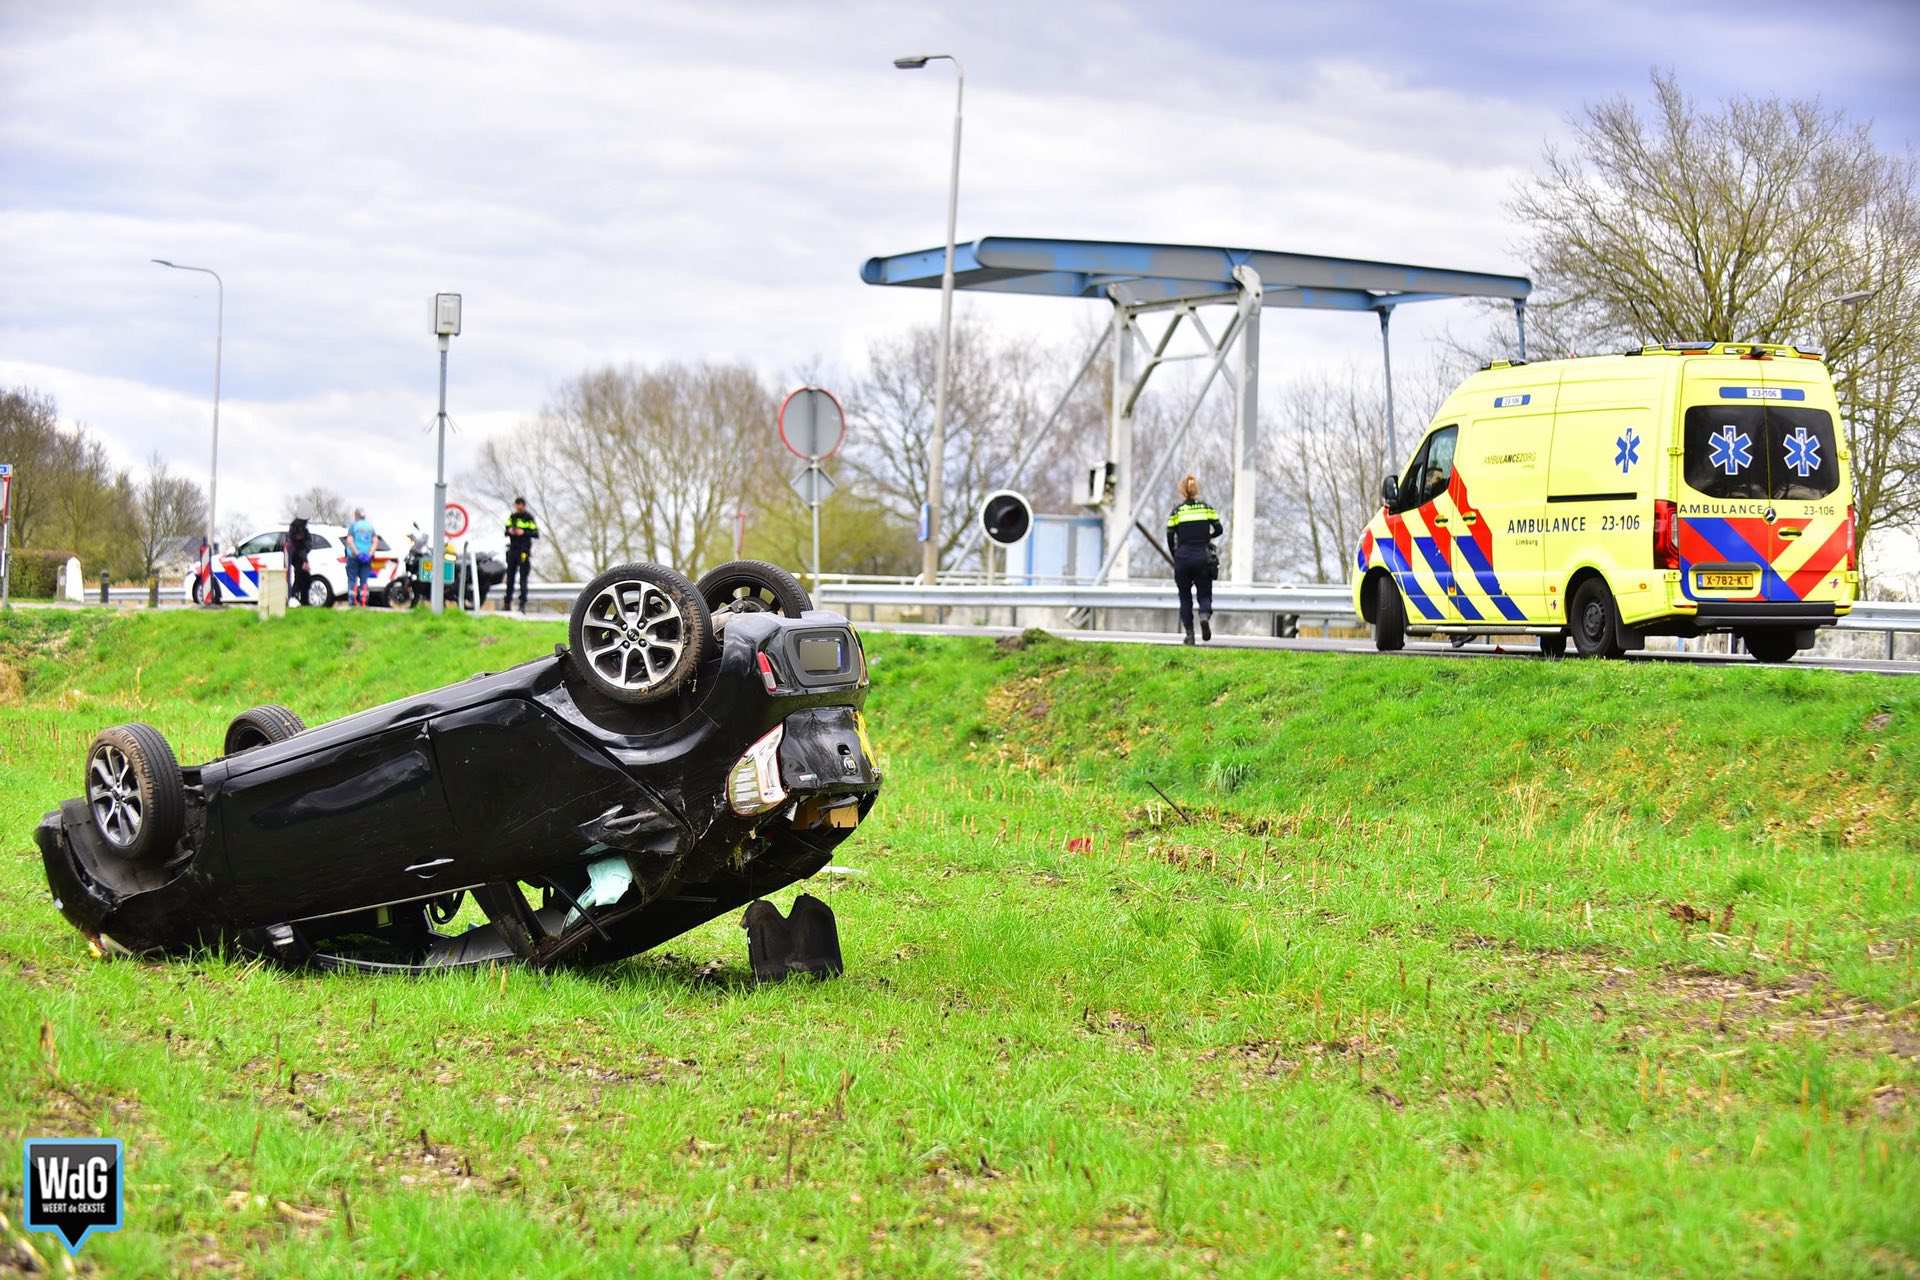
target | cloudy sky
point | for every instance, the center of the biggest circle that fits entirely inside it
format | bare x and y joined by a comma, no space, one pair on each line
619,181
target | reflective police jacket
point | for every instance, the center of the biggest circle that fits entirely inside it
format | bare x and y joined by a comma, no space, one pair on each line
522,529
1192,524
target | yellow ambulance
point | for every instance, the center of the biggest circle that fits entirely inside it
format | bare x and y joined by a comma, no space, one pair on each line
1680,489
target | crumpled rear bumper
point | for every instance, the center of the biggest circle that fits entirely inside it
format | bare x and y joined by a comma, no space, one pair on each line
825,752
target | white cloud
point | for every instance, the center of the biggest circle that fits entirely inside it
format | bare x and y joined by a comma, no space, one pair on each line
605,185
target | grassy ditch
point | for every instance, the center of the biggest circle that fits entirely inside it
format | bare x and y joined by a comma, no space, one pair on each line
1406,967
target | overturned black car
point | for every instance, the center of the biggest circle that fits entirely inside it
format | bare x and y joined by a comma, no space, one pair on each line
691,749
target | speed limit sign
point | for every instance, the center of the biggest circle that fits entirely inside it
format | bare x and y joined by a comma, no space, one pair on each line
455,520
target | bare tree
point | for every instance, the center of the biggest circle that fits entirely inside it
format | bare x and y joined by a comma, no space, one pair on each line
1323,470
29,426
1734,224
630,463
1000,393
166,508
318,504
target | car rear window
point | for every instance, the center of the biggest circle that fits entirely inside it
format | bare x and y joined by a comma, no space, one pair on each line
1760,451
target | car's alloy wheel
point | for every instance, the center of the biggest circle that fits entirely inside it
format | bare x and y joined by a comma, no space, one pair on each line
260,727
638,632
319,593
753,586
135,793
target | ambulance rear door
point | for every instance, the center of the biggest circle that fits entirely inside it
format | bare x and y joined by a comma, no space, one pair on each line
1764,497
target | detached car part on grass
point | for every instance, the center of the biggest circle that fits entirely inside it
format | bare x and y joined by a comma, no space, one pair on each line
692,749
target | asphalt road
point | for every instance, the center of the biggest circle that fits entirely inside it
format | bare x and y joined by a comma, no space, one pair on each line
1519,649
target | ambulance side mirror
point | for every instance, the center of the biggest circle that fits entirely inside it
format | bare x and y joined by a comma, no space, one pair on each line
1390,490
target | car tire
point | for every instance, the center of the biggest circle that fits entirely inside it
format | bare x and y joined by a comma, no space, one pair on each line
134,792
319,593
199,589
1389,617
1771,646
638,611
1553,648
261,727
753,586
1595,621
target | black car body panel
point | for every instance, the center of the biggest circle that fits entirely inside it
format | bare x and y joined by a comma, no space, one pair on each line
332,845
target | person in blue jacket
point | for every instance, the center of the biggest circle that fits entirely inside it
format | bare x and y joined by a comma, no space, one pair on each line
361,540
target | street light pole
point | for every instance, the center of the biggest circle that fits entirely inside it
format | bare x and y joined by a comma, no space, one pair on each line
937,447
213,464
446,326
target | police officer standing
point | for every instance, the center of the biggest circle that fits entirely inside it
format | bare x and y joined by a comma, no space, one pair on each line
522,529
1191,530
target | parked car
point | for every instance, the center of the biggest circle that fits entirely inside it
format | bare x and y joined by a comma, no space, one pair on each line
237,576
689,750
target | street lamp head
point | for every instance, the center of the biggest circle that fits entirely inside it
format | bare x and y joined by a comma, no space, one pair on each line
912,62
1847,299
162,261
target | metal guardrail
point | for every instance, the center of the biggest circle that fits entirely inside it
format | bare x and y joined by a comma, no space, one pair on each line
1329,601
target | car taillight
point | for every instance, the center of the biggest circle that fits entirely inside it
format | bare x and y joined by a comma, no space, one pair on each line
753,784
767,677
1851,562
1666,535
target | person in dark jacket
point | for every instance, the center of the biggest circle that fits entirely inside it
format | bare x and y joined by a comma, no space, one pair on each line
1191,530
299,543
522,529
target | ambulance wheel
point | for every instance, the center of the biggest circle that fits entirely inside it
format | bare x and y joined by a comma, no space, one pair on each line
135,793
1389,617
1553,647
1771,646
261,727
638,632
1595,622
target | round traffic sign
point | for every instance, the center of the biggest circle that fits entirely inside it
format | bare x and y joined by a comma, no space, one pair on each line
811,423
454,520
1006,516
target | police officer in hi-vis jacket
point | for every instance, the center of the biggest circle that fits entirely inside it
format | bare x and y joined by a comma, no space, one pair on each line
1191,530
522,529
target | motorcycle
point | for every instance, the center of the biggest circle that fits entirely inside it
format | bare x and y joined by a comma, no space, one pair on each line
414,582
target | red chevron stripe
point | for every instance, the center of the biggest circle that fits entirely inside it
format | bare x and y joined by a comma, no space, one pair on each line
1820,563
1694,547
